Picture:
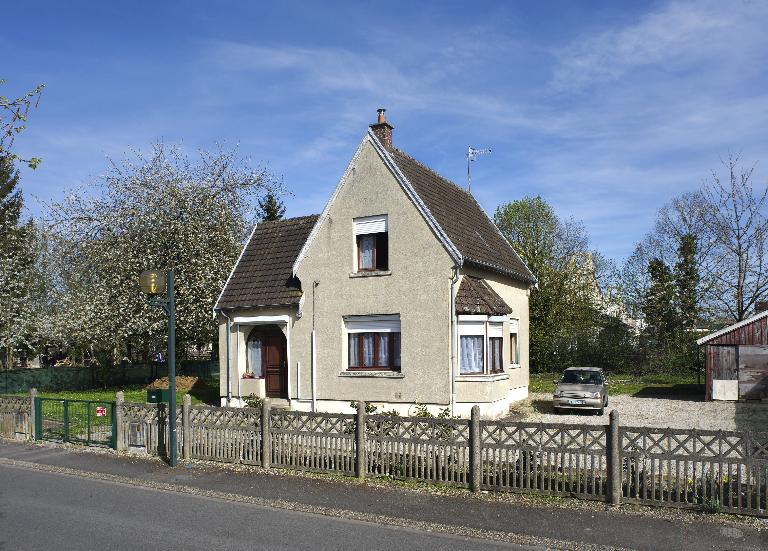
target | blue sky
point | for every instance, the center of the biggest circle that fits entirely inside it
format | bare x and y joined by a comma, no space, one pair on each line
605,109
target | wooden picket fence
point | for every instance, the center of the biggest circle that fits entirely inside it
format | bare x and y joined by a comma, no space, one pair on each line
713,470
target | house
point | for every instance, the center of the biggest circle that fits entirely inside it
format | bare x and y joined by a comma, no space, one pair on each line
736,359
401,291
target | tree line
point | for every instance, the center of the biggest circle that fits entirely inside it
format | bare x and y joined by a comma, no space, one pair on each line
701,267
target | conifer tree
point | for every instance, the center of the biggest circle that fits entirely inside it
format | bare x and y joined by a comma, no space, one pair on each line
660,314
17,263
686,281
271,208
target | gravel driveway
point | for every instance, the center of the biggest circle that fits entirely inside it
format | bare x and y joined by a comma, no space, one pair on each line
683,413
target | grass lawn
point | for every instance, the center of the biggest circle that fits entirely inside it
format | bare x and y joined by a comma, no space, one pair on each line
202,393
627,384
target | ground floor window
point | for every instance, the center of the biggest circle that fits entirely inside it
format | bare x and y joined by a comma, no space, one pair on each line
481,345
373,342
374,351
472,354
495,345
514,343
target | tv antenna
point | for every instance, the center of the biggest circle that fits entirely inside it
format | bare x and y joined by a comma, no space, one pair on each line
472,154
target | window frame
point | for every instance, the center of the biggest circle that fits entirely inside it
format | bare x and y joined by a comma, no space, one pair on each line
492,358
514,351
490,328
473,326
360,337
362,227
380,243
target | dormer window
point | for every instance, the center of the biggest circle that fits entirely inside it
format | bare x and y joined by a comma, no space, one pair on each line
372,243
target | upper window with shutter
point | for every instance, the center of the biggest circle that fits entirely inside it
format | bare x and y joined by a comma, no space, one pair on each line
372,243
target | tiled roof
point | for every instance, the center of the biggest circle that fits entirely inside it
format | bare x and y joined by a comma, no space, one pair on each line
263,275
475,296
463,220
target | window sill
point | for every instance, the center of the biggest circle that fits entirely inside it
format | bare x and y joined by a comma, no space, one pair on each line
381,374
484,377
515,366
375,273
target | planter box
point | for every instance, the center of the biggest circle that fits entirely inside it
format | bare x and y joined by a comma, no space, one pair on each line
252,386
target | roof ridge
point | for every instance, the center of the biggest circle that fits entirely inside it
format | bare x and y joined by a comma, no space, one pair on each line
733,327
285,220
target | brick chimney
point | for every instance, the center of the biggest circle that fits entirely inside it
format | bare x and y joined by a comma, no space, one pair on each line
383,129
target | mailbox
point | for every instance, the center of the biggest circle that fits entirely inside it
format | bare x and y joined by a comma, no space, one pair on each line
158,395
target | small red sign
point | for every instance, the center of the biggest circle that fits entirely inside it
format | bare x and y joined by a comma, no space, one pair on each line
101,411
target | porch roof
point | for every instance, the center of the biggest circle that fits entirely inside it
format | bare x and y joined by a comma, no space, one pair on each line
263,273
475,296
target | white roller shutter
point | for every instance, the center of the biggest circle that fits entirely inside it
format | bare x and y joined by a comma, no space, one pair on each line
377,324
370,224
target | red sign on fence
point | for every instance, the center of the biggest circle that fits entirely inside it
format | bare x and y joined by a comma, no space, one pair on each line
101,411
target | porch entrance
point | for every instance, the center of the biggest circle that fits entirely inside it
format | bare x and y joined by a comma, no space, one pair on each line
270,341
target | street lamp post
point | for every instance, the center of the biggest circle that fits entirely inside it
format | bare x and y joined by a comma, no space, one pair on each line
151,282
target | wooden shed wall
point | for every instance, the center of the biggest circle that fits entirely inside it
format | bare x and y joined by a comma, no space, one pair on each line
752,333
753,372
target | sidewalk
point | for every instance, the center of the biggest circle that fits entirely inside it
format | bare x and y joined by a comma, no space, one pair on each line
542,525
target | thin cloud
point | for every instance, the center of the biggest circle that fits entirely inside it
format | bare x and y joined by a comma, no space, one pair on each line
679,33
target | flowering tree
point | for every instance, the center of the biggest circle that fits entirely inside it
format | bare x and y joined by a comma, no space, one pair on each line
166,211
13,119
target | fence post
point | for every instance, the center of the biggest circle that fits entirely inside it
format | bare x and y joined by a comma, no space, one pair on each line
360,464
186,428
66,419
614,460
475,456
266,436
118,420
33,432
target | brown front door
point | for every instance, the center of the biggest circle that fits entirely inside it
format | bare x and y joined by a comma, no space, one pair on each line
274,362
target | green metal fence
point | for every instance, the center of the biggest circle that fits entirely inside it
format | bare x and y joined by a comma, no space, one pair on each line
89,422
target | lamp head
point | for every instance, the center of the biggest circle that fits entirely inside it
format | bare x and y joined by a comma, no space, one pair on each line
152,282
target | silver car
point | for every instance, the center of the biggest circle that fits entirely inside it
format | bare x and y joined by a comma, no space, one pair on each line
582,388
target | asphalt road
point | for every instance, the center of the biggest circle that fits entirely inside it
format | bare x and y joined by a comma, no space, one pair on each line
40,510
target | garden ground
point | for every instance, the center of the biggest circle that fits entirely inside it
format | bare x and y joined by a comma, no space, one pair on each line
202,393
657,401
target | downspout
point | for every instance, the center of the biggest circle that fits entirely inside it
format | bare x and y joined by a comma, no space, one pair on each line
237,363
229,374
313,365
454,281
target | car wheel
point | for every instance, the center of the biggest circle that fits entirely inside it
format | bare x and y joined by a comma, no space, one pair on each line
601,411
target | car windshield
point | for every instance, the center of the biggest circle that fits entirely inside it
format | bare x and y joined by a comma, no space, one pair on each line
582,378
